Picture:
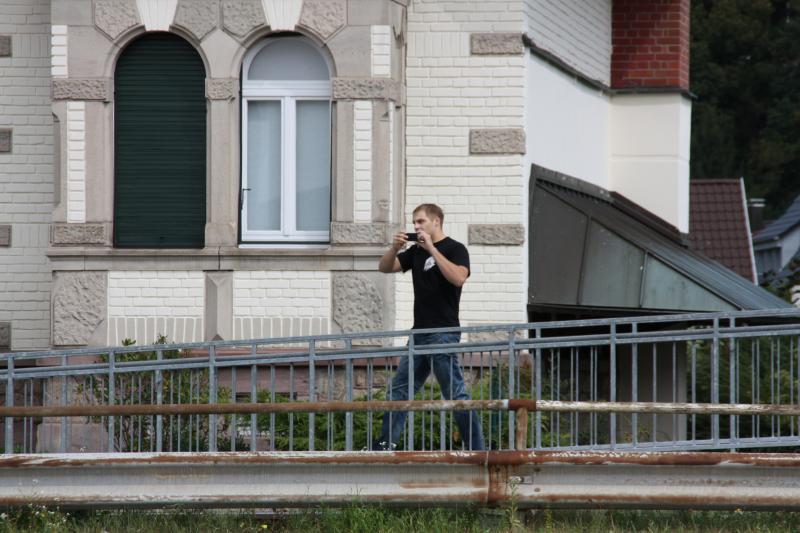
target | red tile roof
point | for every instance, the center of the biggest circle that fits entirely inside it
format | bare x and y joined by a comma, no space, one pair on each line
718,224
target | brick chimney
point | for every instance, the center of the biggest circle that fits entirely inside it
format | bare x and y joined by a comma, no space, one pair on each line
650,44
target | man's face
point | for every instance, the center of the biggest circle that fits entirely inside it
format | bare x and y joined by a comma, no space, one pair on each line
423,222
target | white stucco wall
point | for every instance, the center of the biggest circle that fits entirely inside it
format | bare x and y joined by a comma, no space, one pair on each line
634,144
567,124
577,31
649,160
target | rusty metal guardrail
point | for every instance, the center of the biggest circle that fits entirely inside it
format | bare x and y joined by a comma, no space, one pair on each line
698,480
693,480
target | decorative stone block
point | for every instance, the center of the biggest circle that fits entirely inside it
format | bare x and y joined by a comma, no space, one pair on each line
79,306
221,88
218,319
5,141
483,44
198,17
113,17
365,89
71,234
497,141
5,46
240,17
349,233
357,301
5,235
82,89
323,17
157,15
5,335
510,234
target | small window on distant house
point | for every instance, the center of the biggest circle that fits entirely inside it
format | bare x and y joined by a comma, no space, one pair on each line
286,143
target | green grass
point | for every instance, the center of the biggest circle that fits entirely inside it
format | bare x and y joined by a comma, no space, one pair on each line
371,519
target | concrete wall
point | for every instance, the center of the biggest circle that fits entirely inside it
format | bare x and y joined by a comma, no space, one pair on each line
576,31
26,173
452,93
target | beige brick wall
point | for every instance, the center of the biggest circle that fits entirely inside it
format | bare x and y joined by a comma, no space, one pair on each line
26,173
280,303
449,93
145,304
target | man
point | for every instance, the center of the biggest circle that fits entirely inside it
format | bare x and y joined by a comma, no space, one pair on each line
439,266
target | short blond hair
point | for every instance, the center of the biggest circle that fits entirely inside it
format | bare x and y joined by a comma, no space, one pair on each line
432,210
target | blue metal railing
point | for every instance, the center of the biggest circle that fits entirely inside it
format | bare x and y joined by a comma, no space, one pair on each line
718,358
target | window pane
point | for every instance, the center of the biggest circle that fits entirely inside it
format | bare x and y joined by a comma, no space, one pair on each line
313,165
264,165
288,59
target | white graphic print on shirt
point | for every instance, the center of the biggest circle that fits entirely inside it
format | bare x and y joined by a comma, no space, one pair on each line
429,264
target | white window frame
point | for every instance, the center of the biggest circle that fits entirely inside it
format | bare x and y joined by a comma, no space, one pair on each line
288,93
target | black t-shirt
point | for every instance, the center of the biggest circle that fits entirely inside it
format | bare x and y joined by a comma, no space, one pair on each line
435,299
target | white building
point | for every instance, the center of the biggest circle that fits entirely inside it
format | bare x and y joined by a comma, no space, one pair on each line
234,168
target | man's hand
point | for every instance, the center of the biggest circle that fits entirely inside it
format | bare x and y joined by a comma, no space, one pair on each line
389,262
399,241
425,242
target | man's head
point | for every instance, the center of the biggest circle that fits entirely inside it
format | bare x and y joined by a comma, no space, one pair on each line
428,218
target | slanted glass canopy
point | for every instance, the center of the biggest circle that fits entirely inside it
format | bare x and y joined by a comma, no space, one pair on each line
595,250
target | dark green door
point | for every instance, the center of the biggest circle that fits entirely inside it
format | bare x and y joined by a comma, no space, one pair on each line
159,145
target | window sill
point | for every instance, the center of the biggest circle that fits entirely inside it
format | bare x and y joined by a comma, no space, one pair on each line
258,257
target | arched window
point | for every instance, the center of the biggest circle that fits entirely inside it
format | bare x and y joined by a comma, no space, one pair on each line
159,145
286,143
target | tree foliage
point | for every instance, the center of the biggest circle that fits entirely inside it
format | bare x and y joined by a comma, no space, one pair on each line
745,71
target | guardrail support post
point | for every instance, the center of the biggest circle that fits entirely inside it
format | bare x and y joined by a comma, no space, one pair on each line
521,441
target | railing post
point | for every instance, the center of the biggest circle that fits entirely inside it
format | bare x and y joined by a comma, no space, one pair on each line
613,382
10,403
734,419
715,380
159,401
635,385
63,425
410,432
538,442
253,399
212,397
348,416
511,386
111,394
312,393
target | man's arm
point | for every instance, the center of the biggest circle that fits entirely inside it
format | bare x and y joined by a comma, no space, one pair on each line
455,274
389,263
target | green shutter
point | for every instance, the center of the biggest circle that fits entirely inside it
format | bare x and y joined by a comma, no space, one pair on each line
159,145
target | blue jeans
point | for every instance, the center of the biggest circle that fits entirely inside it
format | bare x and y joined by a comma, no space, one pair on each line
448,374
